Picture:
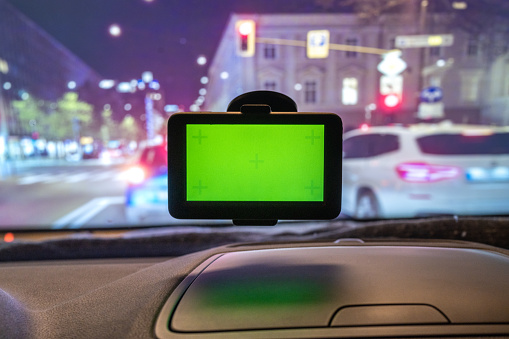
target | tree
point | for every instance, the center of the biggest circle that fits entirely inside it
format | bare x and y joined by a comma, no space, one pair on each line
482,15
109,127
70,117
31,115
129,128
368,10
487,22
484,20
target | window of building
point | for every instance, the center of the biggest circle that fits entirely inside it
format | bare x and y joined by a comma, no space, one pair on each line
392,43
473,46
269,85
269,51
470,87
351,42
434,51
310,92
350,91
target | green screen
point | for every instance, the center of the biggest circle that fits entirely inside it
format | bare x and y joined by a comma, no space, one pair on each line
244,162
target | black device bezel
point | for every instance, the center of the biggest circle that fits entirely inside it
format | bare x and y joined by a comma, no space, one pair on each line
180,208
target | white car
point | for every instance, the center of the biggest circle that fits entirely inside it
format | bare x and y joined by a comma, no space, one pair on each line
425,170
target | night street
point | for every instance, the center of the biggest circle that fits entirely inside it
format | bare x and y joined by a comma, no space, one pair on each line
62,194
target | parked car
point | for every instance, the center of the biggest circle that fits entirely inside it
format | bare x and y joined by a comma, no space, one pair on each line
425,169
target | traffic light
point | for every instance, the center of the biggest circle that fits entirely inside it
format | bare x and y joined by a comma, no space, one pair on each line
245,31
390,103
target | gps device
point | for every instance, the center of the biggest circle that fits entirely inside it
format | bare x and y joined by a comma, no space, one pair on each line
254,166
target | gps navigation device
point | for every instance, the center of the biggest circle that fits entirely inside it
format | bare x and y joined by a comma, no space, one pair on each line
254,166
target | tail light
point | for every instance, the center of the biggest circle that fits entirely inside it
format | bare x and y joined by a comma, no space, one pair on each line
136,175
423,172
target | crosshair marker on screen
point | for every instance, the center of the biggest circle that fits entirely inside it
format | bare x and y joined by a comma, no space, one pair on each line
199,137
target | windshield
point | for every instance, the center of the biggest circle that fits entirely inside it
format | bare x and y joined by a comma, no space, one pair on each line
86,89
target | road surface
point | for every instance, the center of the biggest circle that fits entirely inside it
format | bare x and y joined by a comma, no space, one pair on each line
62,195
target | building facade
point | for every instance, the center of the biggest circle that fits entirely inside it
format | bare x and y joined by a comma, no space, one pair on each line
35,65
348,82
496,108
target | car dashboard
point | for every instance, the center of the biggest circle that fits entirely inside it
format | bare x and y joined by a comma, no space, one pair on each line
346,288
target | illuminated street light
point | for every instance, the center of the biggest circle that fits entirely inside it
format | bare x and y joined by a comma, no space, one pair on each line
7,86
124,87
202,60
154,84
204,80
194,108
297,87
106,83
441,63
202,91
71,85
115,30
171,108
4,66
224,75
461,5
147,76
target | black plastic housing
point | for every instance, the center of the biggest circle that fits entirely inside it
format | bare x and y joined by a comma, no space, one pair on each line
180,208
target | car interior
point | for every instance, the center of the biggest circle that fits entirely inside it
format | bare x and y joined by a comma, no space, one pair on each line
275,219
345,288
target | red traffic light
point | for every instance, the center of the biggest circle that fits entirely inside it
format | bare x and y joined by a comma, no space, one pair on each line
390,102
245,31
245,28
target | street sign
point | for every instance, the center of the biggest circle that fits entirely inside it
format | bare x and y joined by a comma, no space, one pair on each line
415,41
318,44
432,94
392,64
433,110
391,84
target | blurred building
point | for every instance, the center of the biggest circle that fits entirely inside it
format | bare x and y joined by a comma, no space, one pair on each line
496,108
347,82
34,64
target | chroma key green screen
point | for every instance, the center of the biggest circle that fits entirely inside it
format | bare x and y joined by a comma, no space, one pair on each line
249,162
